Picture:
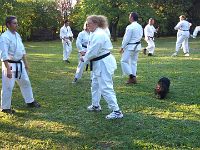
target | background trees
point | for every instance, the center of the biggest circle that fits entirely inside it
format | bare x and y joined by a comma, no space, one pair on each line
41,19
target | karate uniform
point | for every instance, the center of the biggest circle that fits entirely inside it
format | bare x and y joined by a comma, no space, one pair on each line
183,35
103,69
133,34
65,34
149,31
81,44
13,50
196,30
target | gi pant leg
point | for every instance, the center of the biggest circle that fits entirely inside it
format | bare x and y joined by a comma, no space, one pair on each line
69,49
65,51
107,91
7,87
196,30
6,92
180,39
151,45
79,70
133,62
25,87
185,46
103,85
125,62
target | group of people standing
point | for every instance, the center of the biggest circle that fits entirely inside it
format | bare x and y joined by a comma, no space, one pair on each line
94,49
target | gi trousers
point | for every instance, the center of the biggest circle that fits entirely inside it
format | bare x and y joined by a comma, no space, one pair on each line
102,85
129,62
67,49
8,84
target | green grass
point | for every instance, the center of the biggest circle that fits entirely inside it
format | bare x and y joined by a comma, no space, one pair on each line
64,123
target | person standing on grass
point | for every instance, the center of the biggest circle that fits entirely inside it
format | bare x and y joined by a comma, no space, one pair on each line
103,65
81,44
149,31
183,35
67,37
14,67
196,30
130,48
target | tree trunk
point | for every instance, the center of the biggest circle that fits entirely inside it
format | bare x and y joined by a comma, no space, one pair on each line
114,24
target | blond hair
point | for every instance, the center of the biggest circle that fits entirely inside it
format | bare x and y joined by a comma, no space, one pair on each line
100,20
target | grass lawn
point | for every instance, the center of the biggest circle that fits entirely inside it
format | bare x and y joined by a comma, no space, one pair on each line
64,123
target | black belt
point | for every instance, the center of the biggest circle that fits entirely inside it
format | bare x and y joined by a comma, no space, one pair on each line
134,43
17,62
84,46
184,30
98,58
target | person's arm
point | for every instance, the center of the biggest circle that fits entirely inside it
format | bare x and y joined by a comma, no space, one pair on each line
95,46
24,58
126,39
79,42
4,46
177,26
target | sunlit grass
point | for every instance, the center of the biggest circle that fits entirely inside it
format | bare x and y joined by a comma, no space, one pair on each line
64,123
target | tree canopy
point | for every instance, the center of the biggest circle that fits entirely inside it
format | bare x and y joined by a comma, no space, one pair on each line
34,15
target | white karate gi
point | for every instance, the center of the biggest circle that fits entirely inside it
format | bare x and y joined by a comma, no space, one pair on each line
196,30
149,31
81,44
133,34
102,83
183,35
13,49
65,34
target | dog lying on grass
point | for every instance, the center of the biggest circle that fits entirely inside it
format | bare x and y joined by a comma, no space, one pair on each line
162,88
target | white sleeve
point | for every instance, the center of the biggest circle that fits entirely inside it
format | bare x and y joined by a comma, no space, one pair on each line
62,35
93,49
178,26
4,46
70,32
127,37
79,42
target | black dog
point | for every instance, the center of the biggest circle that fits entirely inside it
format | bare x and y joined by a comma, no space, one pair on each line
162,88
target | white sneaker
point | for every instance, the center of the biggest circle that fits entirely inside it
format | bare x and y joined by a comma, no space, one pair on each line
193,36
187,55
174,54
115,115
94,108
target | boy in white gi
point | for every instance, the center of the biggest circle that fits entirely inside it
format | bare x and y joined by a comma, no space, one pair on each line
67,37
14,67
81,44
149,31
130,48
103,66
183,35
196,30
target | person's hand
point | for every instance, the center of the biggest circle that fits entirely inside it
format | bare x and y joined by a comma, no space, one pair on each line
82,59
27,67
9,73
82,53
121,50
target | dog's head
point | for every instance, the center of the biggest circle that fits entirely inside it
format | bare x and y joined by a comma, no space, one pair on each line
161,91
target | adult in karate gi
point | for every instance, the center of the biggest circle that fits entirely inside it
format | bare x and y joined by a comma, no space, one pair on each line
14,67
149,31
67,37
130,48
196,30
103,66
81,44
183,35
